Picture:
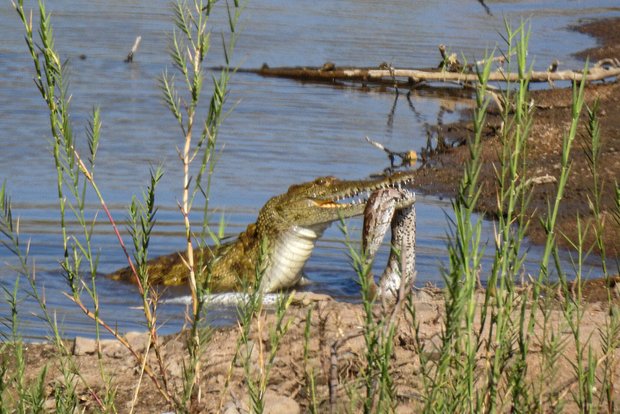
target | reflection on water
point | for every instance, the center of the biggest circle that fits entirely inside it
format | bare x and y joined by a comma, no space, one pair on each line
281,132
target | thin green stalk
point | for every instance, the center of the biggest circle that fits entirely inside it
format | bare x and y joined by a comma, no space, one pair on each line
610,342
190,44
610,332
74,175
309,371
593,150
549,223
573,311
29,398
247,311
276,333
252,310
378,332
453,383
512,201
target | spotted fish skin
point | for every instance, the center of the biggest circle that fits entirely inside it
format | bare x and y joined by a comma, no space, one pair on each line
393,208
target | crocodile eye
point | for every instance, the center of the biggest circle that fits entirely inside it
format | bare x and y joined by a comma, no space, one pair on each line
324,180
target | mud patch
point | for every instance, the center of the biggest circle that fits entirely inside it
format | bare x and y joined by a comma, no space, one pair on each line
551,122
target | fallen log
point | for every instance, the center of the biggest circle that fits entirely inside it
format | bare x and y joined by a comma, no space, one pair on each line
332,73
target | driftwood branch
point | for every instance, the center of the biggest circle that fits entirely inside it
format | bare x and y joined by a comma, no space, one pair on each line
407,157
413,76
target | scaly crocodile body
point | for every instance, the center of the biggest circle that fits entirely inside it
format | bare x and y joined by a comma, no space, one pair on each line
286,230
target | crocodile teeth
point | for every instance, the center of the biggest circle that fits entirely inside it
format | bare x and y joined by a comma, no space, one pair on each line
325,204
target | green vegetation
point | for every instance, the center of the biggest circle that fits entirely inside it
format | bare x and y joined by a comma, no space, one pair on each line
191,42
481,362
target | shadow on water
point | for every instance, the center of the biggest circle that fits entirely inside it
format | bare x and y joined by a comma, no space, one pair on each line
280,132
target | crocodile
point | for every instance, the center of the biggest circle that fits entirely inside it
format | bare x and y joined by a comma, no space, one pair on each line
285,231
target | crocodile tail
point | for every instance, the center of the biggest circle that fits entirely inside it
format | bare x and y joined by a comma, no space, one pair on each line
169,270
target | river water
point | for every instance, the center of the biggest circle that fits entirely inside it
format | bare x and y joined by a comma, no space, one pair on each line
280,131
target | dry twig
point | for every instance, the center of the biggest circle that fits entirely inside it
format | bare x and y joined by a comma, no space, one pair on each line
407,157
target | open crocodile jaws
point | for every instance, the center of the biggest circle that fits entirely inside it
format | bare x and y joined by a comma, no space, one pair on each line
285,232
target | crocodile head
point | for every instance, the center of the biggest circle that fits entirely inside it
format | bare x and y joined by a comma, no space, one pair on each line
317,203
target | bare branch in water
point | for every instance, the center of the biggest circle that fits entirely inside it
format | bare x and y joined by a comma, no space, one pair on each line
134,49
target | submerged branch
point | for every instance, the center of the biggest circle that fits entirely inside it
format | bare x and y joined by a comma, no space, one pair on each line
133,50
